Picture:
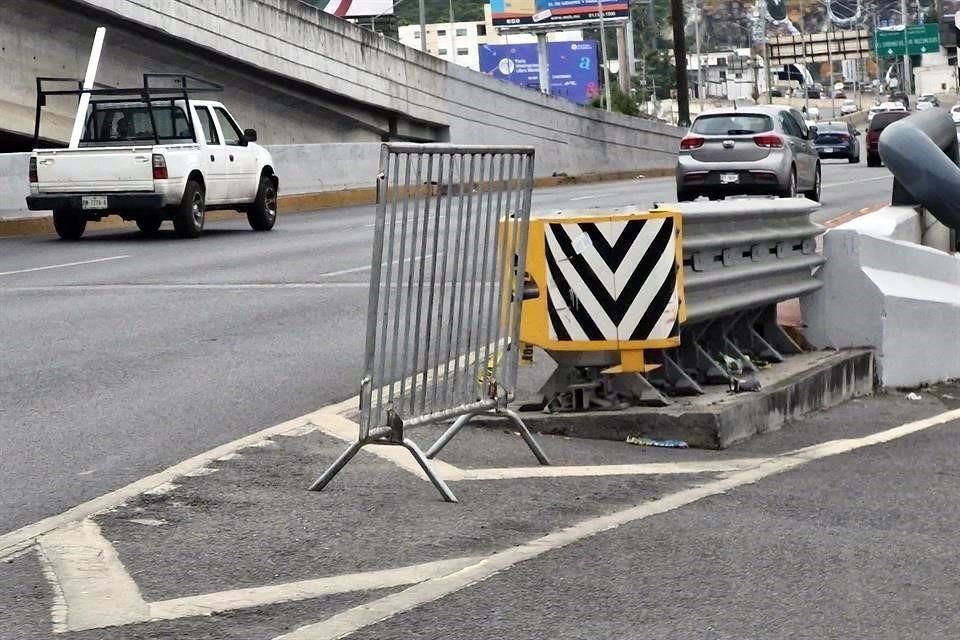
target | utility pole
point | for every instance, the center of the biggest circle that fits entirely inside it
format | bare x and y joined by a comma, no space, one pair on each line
680,62
423,26
603,49
803,47
453,40
696,27
907,71
766,53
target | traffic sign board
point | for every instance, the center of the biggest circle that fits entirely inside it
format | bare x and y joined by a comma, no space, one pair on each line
890,42
923,38
915,39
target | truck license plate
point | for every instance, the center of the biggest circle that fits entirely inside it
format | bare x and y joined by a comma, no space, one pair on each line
94,202
729,178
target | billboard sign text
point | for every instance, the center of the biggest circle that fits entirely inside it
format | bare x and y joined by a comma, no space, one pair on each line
549,14
573,67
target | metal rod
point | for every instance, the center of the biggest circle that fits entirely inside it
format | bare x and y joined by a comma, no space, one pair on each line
428,338
338,464
449,434
421,282
406,310
386,291
88,83
427,469
443,289
527,436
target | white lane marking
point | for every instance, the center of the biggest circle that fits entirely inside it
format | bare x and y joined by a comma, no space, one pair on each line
93,589
211,603
597,471
344,272
62,266
188,287
14,540
351,620
96,589
849,182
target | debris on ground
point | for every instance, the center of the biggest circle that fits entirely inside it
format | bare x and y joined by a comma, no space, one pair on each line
650,442
744,385
914,396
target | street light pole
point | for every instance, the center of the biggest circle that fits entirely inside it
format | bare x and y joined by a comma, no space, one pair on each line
696,26
803,47
907,71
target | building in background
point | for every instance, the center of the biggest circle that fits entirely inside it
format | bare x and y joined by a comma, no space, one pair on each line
729,75
462,43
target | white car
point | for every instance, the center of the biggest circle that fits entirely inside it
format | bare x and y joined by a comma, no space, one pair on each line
923,105
955,113
847,107
150,160
813,113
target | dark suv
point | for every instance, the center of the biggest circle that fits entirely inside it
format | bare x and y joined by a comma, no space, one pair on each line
880,122
838,140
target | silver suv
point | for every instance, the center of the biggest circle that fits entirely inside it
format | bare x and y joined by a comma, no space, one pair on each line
749,151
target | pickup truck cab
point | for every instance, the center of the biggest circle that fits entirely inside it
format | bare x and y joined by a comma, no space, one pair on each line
150,160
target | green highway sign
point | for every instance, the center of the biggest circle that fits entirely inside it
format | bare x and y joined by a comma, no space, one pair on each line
923,38
914,40
890,42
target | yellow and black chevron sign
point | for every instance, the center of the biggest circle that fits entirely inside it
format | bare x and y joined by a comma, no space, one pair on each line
613,282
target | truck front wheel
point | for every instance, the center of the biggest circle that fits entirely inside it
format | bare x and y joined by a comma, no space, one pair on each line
69,224
262,214
189,215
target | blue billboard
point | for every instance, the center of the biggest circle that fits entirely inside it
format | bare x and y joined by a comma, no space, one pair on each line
573,67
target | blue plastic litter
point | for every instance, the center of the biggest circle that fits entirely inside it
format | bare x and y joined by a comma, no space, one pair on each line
650,442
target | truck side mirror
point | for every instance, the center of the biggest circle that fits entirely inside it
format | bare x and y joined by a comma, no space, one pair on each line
250,135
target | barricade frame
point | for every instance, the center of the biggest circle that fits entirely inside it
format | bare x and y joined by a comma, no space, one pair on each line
429,197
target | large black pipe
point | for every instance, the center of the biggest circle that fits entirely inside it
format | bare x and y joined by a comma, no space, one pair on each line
922,153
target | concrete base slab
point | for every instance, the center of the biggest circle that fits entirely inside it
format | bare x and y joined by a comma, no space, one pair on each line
804,383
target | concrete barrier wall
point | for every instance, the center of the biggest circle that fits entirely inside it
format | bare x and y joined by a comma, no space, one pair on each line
294,40
892,294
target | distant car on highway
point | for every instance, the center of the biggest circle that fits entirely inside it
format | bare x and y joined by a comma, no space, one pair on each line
152,154
838,140
880,122
927,101
838,95
848,107
762,150
901,97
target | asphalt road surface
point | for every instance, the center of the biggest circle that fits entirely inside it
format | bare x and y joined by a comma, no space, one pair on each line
121,355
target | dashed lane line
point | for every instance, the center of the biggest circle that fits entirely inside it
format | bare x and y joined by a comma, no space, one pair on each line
62,266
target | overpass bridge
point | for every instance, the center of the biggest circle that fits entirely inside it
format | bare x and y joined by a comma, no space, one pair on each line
303,77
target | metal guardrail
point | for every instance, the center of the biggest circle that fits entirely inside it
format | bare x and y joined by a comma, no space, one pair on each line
446,290
922,153
741,258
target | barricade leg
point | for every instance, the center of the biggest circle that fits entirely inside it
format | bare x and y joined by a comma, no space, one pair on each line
406,443
441,486
335,468
527,436
462,421
448,435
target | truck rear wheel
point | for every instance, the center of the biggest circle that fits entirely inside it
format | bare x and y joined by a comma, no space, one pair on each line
69,224
189,215
262,214
149,224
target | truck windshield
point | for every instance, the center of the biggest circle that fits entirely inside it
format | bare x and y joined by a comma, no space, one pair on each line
131,122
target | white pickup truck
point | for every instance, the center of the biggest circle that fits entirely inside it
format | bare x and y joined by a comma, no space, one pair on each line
151,160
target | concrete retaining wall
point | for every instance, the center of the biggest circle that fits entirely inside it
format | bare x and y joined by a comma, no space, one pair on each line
882,289
301,76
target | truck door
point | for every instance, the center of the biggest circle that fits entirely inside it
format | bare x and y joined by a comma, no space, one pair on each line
241,160
214,159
